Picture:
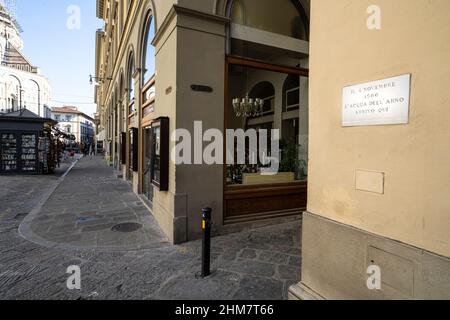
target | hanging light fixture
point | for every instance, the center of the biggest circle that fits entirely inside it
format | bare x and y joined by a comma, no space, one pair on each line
248,107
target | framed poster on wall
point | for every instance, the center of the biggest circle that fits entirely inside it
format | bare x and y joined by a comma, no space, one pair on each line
160,153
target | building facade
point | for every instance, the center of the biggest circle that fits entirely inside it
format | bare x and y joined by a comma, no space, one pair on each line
21,84
75,122
193,65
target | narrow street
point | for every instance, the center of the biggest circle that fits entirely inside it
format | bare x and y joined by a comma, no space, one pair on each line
74,226
225,155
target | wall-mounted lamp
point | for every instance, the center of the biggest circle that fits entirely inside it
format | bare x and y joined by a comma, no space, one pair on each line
91,79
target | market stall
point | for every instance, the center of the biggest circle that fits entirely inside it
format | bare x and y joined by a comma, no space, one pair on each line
27,145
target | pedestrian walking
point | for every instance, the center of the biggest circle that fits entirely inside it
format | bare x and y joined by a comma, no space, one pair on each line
82,147
91,150
86,150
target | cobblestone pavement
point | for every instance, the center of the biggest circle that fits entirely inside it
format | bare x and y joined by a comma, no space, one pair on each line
20,194
82,213
253,264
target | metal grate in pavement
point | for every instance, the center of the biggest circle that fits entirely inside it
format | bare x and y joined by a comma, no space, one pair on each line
127,227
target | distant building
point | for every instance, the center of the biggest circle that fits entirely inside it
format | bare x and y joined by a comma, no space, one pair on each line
75,122
21,85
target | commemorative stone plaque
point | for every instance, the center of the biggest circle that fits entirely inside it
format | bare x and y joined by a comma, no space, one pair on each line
380,102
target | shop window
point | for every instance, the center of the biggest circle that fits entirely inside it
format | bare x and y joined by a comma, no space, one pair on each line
281,98
266,92
123,147
148,188
291,93
134,156
160,154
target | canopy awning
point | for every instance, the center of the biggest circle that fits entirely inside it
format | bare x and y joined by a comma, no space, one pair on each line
101,136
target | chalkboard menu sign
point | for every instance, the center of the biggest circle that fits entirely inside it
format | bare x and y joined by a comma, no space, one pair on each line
8,147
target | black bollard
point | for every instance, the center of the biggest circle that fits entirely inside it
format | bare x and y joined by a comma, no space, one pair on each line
206,242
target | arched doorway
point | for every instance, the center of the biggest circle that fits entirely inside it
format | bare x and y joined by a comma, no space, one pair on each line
267,60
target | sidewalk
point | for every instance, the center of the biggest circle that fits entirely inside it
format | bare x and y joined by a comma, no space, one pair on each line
253,264
85,209
19,194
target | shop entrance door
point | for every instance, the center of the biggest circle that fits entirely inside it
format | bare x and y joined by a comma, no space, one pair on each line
147,179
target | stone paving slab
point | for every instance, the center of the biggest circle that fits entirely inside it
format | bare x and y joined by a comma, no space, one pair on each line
79,215
253,264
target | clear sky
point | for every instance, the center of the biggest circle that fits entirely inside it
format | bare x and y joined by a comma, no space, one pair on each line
66,56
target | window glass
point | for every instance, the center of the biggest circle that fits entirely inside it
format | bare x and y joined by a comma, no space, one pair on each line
148,189
284,17
291,93
149,52
157,154
283,106
130,80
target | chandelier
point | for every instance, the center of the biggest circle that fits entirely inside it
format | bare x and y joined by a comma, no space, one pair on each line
248,107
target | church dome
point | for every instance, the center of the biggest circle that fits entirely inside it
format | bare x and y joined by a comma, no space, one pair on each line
9,29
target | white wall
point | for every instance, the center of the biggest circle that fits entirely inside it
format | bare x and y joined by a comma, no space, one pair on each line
36,91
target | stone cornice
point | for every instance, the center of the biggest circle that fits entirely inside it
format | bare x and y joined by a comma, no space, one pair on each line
179,10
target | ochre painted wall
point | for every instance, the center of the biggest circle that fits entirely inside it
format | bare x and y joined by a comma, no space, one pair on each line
415,38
